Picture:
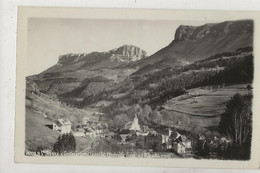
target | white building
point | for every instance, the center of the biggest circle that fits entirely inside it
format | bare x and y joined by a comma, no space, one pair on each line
179,147
142,133
166,139
63,126
79,134
181,144
135,125
85,121
90,132
124,137
99,129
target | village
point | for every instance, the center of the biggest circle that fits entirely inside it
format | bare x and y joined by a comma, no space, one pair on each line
142,137
168,139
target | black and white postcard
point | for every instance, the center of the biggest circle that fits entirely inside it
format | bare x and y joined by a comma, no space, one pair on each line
137,87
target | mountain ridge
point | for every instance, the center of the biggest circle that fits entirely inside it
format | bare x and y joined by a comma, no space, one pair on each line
125,53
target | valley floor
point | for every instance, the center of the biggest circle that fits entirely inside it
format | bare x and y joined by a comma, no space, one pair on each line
196,112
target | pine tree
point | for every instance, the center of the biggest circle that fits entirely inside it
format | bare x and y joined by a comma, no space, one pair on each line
65,143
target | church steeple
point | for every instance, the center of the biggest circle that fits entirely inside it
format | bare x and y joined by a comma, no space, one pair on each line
136,117
135,125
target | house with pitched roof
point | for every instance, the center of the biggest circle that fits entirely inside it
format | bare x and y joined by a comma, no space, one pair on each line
63,126
166,138
180,143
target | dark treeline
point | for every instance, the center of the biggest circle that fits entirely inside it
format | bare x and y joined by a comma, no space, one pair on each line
241,71
227,67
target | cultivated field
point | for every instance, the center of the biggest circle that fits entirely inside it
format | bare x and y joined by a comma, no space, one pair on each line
205,102
200,110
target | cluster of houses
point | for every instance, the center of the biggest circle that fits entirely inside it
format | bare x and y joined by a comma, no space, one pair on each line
171,140
91,128
174,140
86,128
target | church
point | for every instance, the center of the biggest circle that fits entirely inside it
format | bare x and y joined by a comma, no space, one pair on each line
133,125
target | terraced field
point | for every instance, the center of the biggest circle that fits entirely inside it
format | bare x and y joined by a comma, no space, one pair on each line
205,102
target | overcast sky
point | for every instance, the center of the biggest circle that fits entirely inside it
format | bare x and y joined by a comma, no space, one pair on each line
49,38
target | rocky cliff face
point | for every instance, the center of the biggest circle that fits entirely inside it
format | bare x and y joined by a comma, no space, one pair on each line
123,54
127,53
196,43
193,43
214,30
184,32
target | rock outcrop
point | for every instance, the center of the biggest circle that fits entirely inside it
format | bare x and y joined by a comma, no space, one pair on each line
127,53
97,60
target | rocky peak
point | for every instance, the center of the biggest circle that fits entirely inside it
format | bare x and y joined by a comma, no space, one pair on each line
129,50
192,32
184,32
69,58
127,53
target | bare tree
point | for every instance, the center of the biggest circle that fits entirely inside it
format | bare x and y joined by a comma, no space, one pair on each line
236,121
